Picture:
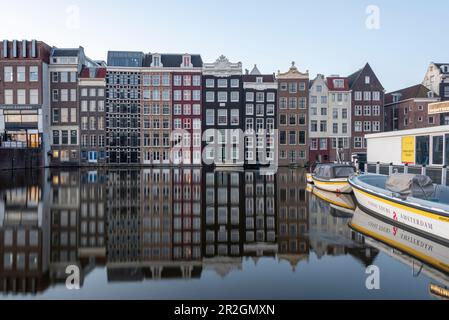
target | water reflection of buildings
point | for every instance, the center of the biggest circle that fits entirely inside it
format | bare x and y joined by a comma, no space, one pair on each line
161,223
330,235
23,237
293,216
223,223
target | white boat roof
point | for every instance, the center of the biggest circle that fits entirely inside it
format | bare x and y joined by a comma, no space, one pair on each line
412,132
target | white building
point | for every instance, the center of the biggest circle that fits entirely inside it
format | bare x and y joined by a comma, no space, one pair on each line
318,120
339,117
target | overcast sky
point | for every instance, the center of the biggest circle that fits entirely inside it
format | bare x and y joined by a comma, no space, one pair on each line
397,38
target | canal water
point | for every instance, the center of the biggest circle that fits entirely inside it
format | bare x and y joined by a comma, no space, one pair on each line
201,234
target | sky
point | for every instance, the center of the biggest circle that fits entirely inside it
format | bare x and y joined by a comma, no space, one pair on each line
398,38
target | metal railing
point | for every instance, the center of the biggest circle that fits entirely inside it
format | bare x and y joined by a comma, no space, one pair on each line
439,175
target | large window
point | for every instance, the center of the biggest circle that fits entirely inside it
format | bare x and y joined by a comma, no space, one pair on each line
422,150
437,150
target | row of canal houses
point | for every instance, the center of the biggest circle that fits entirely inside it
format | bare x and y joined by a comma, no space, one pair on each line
168,109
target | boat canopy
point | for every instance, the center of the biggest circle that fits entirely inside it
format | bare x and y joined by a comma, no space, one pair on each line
417,186
334,171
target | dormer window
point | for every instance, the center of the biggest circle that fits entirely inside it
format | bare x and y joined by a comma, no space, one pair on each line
396,98
430,94
156,61
92,73
367,80
259,80
186,61
339,83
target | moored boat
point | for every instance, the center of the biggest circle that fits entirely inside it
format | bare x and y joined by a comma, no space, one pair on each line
333,177
409,201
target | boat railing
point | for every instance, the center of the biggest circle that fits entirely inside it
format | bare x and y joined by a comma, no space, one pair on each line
439,175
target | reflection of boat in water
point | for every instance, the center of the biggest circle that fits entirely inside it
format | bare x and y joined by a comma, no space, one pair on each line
333,177
309,187
411,201
395,241
309,178
343,204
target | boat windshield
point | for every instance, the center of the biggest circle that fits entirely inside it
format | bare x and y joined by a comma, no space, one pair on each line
343,172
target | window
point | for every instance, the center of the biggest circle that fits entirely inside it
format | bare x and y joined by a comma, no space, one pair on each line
367,126
55,77
55,95
335,128
292,138
358,126
344,113
422,150
293,103
376,126
293,87
235,83
65,137
187,95
73,76
302,137
21,96
235,117
187,109
74,137
34,74
222,83
437,150
323,126
72,94
55,115
344,128
196,80
210,96
271,97
249,109
302,103
222,96
358,111
64,95
313,144
284,86
376,110
260,110
367,96
55,137
260,97
323,144
283,103
358,96
210,117
187,80
270,110
64,115
367,80
177,95
210,83
20,74
222,117
8,74
34,96
376,96
64,77
367,110
358,142
196,95
235,97
250,96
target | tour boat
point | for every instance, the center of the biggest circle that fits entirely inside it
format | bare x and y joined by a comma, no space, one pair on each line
343,203
421,248
333,177
410,201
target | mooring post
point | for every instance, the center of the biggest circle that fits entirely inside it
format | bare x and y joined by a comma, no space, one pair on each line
378,167
424,170
444,176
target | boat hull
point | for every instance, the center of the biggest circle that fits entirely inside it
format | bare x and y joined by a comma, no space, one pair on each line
335,185
340,201
416,219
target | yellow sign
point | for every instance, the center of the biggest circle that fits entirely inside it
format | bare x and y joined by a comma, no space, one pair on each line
408,150
439,107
